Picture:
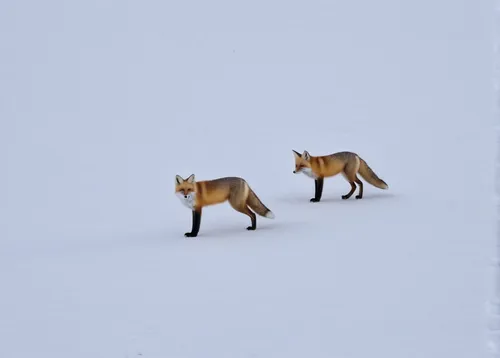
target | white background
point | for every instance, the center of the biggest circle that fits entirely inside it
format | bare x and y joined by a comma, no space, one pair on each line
103,102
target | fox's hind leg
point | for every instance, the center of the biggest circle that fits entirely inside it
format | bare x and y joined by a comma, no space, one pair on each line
349,194
349,174
253,218
243,208
360,184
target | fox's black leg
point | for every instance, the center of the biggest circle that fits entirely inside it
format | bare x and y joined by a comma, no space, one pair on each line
244,209
253,218
353,188
360,184
318,190
196,224
315,191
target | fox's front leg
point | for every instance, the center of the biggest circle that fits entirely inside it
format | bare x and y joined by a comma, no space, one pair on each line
318,190
196,224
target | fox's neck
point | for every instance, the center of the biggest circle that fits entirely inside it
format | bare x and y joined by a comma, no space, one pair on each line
312,171
308,172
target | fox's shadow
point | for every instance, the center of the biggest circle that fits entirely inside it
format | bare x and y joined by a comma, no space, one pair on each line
334,197
240,232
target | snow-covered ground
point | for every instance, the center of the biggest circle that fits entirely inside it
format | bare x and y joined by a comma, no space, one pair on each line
102,103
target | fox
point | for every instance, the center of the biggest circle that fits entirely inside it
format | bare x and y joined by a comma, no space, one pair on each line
348,164
196,195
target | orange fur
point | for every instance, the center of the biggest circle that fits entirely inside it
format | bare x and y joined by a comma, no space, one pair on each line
241,197
348,164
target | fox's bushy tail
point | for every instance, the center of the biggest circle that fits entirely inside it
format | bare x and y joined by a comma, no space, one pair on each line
256,205
369,175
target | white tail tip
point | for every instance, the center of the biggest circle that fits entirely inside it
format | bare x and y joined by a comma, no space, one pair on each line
270,215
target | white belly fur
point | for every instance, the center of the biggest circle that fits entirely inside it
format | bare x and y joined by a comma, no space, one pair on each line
188,202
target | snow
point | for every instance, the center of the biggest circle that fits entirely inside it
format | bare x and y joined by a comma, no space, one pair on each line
102,103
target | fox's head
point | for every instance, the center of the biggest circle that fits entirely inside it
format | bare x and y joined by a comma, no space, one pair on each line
302,162
184,187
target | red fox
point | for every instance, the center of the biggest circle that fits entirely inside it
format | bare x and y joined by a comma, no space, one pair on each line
196,195
347,163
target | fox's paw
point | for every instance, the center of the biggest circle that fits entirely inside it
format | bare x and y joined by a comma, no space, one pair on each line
190,234
251,228
345,197
359,196
314,200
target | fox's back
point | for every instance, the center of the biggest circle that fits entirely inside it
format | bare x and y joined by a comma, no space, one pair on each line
342,156
333,164
218,190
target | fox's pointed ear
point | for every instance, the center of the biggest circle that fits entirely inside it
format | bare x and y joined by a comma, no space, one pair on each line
306,155
190,179
296,154
178,180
